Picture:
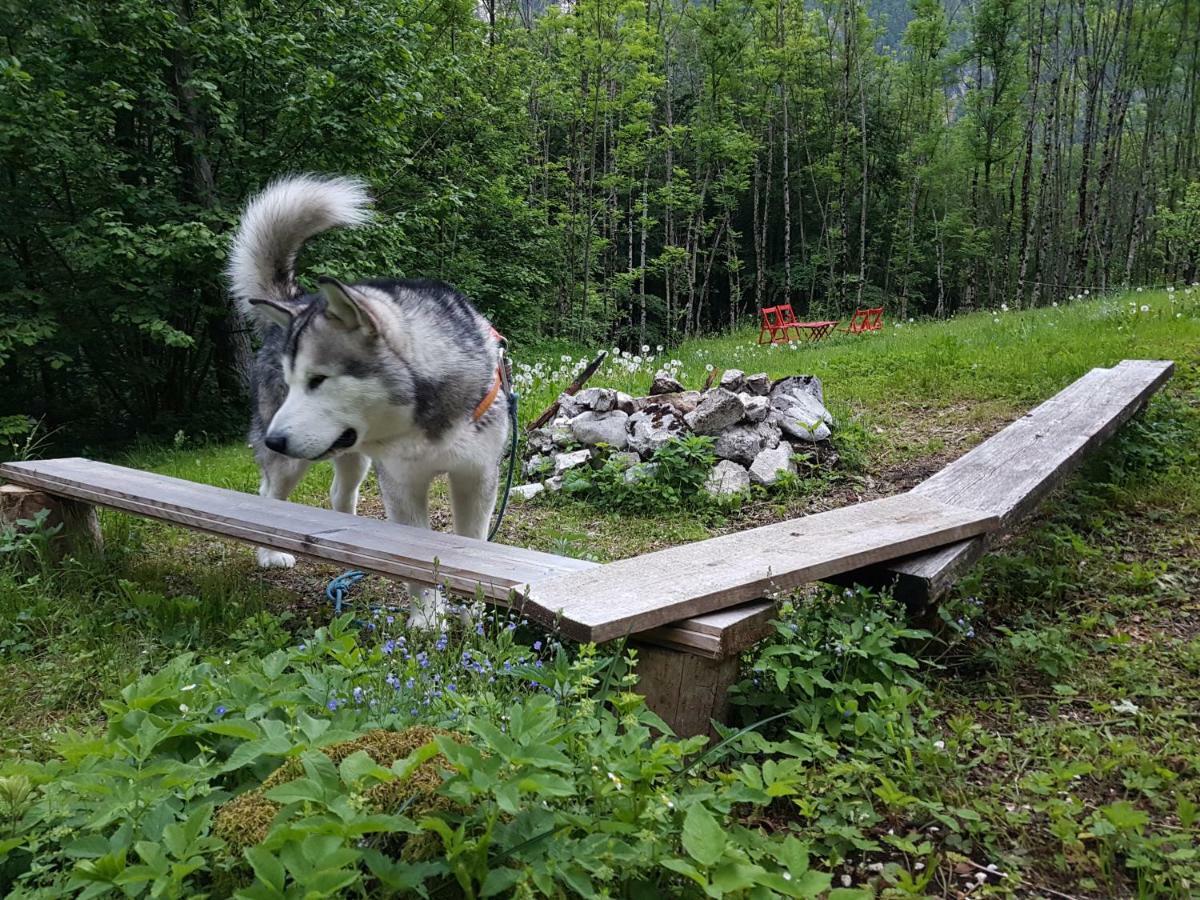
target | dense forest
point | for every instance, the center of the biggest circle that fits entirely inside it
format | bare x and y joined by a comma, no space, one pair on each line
629,171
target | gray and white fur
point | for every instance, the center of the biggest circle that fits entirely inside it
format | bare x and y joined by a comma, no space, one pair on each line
383,371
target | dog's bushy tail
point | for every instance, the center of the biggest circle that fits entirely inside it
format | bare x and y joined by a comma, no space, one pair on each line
276,224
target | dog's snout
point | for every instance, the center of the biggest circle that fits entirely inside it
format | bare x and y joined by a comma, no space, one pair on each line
277,442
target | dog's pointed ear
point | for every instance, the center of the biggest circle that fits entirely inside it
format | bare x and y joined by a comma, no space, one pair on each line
278,311
346,306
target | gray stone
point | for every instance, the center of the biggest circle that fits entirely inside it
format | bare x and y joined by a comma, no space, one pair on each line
652,427
742,443
596,398
593,428
683,402
565,461
537,465
770,464
527,491
626,404
803,421
754,408
569,406
664,384
640,472
555,483
758,384
560,432
727,478
718,410
540,440
627,458
733,380
798,386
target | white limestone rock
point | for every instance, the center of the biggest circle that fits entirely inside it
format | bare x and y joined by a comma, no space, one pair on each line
593,428
770,464
527,491
566,461
718,410
727,478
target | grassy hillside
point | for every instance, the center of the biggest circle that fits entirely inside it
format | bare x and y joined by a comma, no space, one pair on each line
1047,728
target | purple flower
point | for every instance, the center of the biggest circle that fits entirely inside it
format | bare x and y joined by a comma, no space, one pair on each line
442,641
358,695
452,687
537,645
332,705
388,647
220,711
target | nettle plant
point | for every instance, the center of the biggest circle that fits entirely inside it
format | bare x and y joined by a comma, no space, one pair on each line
319,770
673,478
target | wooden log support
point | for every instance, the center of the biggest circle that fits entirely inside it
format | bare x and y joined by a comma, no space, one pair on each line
78,522
685,690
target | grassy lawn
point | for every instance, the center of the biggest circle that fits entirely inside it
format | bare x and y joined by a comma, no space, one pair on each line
1049,729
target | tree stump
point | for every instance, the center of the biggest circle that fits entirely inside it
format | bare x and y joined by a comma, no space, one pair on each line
685,690
80,532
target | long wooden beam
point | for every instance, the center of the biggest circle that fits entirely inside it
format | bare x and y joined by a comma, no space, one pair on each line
633,595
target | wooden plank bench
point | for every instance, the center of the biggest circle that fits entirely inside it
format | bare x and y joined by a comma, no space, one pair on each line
680,604
1008,474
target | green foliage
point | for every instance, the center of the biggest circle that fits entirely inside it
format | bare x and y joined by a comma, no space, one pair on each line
673,479
546,793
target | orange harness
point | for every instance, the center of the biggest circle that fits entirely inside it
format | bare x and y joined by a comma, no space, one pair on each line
498,382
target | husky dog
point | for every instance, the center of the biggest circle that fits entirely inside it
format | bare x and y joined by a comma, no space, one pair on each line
399,373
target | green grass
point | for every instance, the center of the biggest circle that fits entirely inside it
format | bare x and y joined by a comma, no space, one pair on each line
1064,700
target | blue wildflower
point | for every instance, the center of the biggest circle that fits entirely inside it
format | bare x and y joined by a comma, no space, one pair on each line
220,711
537,645
332,705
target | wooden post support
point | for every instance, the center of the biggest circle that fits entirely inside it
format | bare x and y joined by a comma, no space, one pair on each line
686,691
80,523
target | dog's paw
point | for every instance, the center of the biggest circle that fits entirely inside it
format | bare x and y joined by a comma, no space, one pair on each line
274,559
427,612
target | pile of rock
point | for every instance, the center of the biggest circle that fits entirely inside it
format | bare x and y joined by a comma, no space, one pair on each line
757,425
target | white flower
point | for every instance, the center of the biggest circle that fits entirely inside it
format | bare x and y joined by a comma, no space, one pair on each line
645,348
658,349
1086,292
1145,308
1126,706
1139,290
183,707
708,367
1004,307
996,320
1055,304
846,881
939,745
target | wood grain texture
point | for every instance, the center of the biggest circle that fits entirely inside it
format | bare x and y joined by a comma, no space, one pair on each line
634,595
1013,471
684,690
399,551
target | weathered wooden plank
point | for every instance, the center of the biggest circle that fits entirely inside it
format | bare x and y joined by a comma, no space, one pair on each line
716,634
1086,413
399,551
1011,472
633,595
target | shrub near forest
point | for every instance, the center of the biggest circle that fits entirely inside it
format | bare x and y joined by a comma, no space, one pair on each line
266,776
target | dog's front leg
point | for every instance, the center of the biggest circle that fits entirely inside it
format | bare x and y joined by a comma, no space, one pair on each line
473,499
406,499
280,475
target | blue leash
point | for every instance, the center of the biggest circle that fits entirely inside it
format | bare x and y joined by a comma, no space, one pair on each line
339,588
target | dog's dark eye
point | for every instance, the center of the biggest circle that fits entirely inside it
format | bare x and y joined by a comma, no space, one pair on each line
315,382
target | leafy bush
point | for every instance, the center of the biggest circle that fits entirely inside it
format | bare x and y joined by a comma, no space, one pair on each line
302,772
672,479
